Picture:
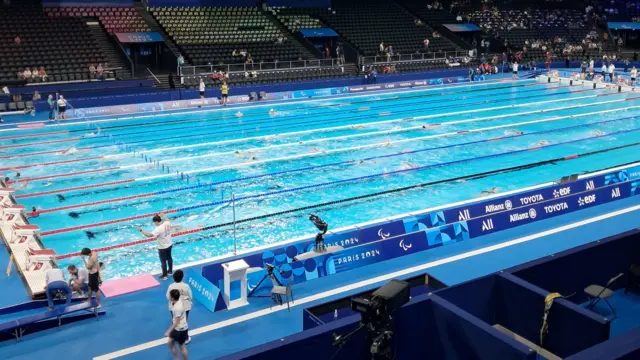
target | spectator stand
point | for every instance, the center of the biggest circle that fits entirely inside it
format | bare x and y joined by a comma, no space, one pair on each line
417,62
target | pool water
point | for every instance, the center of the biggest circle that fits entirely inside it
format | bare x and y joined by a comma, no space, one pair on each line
97,181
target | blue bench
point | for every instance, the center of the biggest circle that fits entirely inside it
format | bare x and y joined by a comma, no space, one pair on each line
18,327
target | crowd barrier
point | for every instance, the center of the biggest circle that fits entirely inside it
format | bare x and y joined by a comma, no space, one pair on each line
388,239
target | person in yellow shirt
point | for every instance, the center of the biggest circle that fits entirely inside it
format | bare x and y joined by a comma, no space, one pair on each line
225,93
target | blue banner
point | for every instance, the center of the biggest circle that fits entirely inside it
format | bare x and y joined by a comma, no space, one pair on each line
461,27
203,290
390,239
623,25
320,32
139,37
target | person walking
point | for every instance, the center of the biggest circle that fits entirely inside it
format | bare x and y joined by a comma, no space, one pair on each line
202,88
178,332
62,107
224,88
162,233
93,267
185,295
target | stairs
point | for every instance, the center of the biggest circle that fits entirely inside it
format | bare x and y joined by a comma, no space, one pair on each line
164,82
154,26
306,48
114,56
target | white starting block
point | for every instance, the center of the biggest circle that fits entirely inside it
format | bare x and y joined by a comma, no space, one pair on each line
235,271
37,259
22,233
5,194
11,212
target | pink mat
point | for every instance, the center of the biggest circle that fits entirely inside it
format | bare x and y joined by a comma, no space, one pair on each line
31,126
128,285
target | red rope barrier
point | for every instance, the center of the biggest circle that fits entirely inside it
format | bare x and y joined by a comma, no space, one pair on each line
67,174
33,135
52,163
40,143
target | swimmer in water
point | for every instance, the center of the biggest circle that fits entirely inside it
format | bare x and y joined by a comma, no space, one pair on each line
598,132
493,190
71,150
8,181
34,212
543,142
388,143
273,112
239,114
92,134
513,132
408,165
358,127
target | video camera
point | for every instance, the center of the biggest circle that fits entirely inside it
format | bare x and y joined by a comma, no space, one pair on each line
323,227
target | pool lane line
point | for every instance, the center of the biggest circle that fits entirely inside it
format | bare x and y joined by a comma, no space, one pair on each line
261,117
53,163
250,130
331,183
366,196
415,118
216,108
34,135
315,167
233,125
360,147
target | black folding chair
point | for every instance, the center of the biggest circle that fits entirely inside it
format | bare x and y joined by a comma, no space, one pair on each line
595,293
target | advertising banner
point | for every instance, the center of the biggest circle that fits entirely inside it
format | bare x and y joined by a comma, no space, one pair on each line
139,37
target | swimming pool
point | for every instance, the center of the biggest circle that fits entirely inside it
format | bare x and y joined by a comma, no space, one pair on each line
350,159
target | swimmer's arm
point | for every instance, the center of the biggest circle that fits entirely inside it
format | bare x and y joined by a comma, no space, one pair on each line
22,186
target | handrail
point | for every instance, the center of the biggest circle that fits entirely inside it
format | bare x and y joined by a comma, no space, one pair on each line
262,66
372,60
154,76
124,52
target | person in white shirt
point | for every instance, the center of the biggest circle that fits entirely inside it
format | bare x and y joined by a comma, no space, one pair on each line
185,294
515,70
381,47
54,280
26,73
633,75
604,71
62,107
162,233
612,71
426,45
79,280
202,88
591,64
178,332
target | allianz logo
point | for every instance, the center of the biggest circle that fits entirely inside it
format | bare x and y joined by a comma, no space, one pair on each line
531,199
491,208
531,214
556,207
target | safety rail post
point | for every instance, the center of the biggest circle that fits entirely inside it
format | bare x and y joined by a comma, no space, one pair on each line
233,206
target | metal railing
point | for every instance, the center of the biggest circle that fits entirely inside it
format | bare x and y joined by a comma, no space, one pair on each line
383,59
262,66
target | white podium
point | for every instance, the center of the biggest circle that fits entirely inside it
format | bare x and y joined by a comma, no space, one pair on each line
235,271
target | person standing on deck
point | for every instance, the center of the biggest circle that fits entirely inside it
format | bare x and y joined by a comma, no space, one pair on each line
162,233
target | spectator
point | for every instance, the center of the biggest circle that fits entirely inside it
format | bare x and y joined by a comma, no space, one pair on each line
426,45
381,47
235,53
36,96
42,73
5,91
418,22
100,70
327,52
54,283
92,69
35,73
180,60
459,17
172,83
249,59
17,40
339,54
26,74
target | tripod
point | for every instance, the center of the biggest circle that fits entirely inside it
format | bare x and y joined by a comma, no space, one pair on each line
269,274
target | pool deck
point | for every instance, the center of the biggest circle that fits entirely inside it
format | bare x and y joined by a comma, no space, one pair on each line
134,323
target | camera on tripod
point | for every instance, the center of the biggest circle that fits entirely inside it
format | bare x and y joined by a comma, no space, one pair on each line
323,227
377,318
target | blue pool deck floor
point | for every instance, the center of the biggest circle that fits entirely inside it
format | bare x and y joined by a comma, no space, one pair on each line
134,323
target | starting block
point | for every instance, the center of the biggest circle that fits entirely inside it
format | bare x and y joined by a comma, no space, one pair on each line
37,259
21,233
10,213
5,194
